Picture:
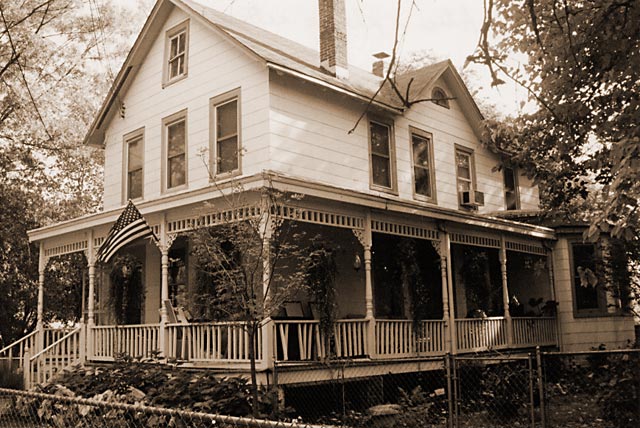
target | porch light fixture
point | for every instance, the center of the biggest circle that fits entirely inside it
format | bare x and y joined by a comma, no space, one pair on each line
357,263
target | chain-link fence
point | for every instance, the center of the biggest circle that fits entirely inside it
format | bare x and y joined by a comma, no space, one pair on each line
539,390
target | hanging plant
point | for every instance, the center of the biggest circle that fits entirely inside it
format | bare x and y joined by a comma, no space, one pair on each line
321,274
413,282
127,291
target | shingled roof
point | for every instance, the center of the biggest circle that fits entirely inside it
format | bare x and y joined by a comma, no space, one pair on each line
285,56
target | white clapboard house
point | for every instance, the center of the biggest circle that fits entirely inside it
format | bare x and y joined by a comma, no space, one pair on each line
269,112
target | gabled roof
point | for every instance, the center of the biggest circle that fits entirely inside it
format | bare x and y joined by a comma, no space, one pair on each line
285,56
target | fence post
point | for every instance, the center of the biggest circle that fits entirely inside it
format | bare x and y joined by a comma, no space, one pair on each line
543,415
26,368
447,363
531,390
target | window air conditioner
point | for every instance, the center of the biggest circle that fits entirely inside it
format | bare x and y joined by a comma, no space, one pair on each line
471,198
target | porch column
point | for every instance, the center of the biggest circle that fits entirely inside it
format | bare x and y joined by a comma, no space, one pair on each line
365,238
442,248
267,225
505,290
367,244
165,245
91,262
42,266
447,294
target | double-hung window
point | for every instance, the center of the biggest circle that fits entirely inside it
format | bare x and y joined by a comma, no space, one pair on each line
511,196
134,161
423,177
465,174
382,156
175,133
225,143
176,53
588,289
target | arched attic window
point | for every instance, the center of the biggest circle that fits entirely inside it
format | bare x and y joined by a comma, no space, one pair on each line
440,97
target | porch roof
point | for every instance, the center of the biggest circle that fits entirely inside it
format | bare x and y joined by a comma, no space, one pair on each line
284,183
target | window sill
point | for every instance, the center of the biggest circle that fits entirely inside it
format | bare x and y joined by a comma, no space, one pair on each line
387,190
177,79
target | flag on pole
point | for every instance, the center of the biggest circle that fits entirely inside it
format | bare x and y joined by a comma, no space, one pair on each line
127,228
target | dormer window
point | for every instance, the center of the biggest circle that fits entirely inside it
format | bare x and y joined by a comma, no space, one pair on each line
440,97
176,53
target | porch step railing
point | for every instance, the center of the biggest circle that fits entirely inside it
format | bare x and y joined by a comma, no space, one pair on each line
481,334
62,353
405,338
212,341
137,341
14,352
534,331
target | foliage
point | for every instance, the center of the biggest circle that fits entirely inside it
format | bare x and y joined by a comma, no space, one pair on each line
580,62
63,290
413,281
419,409
10,375
620,400
320,276
127,289
52,59
253,262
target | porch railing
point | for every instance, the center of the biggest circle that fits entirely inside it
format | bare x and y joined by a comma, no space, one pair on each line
212,341
60,354
401,338
137,341
481,334
302,340
534,331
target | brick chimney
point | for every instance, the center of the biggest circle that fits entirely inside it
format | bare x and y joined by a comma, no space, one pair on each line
333,37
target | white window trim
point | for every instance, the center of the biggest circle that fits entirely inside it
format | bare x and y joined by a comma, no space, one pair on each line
126,139
166,122
171,33
472,166
392,157
214,103
432,173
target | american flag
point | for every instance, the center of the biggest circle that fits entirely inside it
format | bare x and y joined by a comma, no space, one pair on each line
129,227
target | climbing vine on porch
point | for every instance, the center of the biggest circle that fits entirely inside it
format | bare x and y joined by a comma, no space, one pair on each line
321,274
127,290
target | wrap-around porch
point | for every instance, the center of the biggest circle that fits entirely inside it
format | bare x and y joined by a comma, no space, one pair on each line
474,277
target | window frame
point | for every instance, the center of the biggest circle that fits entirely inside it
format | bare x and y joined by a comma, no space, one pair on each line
472,171
516,187
439,97
166,123
214,104
602,294
393,189
128,138
431,168
172,33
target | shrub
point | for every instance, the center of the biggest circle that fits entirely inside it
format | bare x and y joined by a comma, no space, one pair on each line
10,376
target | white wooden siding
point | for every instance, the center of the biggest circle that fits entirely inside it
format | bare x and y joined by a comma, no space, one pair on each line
215,66
309,139
584,333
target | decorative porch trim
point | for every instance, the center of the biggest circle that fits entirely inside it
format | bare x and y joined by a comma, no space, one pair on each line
403,229
477,240
526,247
310,215
213,219
72,247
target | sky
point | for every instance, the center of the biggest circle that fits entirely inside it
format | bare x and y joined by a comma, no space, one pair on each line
442,28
